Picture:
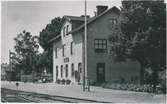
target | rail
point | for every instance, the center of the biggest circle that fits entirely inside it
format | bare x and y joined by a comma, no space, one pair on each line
36,97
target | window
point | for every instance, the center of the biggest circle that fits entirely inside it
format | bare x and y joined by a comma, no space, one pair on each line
64,31
100,45
57,71
63,48
61,71
67,29
56,52
66,70
66,59
72,48
72,70
113,21
80,67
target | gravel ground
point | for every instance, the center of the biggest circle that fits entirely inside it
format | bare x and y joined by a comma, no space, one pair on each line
96,93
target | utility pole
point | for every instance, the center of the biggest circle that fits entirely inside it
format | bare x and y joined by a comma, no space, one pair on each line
85,50
10,68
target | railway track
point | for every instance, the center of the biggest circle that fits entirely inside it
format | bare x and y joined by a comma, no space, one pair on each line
36,97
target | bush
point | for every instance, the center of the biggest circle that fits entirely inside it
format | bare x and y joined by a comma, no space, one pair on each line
124,87
68,81
63,81
132,87
58,81
92,82
163,85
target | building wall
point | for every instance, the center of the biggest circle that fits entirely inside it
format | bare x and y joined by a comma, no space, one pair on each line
128,70
102,29
75,58
4,69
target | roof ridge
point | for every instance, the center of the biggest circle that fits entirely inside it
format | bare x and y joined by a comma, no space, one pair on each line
71,16
93,19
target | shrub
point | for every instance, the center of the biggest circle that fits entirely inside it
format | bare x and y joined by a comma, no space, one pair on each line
63,81
163,85
132,87
92,82
123,87
103,85
58,81
68,81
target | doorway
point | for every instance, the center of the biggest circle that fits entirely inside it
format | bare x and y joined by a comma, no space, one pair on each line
79,72
100,72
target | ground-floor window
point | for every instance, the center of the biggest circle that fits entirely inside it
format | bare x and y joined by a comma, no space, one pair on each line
79,72
57,71
61,71
66,70
72,69
80,67
76,75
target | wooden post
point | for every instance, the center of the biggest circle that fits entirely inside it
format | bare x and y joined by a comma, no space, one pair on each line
85,50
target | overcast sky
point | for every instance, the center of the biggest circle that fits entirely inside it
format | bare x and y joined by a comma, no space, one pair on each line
33,16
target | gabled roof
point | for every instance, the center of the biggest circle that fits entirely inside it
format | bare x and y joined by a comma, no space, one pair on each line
89,21
94,19
56,37
74,18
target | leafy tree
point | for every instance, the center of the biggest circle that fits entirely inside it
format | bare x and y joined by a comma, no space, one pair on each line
26,50
142,36
51,30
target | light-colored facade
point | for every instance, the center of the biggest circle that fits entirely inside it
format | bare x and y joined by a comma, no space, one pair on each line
66,64
68,51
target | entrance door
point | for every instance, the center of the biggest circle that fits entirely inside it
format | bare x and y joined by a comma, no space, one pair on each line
100,72
79,72
57,72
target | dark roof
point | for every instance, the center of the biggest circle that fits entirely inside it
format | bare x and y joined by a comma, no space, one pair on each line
94,18
90,20
56,37
74,18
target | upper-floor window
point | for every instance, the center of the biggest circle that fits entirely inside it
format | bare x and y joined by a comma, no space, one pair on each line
63,50
72,48
66,70
112,22
64,31
67,29
100,45
56,52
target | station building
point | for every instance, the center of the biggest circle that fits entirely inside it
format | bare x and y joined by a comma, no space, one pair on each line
68,53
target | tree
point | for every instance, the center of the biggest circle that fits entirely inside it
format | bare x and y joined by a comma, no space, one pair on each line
51,30
142,36
26,50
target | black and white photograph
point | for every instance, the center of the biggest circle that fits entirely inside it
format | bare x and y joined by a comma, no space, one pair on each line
83,51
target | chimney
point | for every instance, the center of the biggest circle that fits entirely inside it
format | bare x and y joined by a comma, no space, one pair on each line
95,13
101,9
88,16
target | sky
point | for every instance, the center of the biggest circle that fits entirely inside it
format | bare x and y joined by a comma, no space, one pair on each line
33,16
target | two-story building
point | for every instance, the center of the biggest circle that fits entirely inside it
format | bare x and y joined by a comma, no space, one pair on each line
68,50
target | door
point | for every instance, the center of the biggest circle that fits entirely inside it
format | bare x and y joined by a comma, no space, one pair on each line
79,72
57,72
100,72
